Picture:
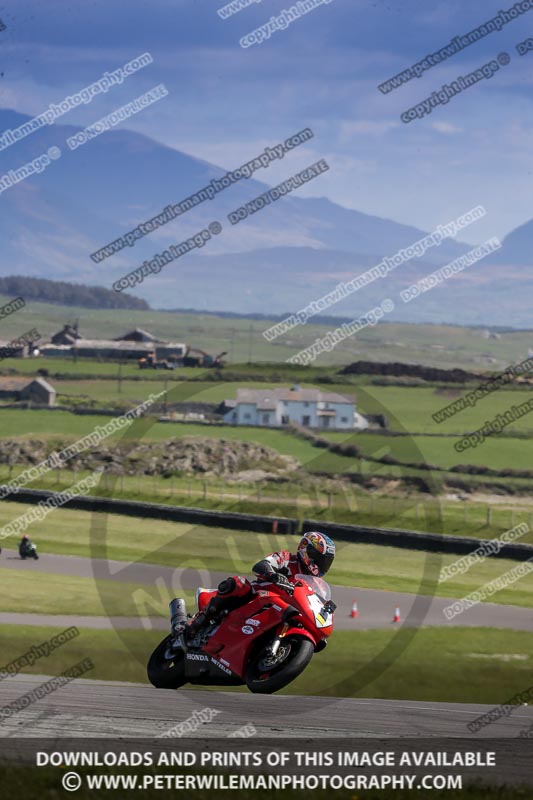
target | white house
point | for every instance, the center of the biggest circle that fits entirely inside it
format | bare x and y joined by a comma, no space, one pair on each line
308,407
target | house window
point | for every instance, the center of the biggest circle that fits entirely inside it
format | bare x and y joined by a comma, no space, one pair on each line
306,405
266,419
344,419
306,421
285,419
247,416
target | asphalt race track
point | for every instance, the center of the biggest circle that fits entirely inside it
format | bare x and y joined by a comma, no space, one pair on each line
85,708
375,607
99,709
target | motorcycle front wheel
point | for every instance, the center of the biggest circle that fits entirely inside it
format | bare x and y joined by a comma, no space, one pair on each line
166,667
266,673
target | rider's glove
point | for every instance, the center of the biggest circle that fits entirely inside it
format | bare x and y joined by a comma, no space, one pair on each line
284,584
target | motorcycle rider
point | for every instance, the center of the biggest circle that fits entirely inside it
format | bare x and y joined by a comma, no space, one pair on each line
314,556
25,546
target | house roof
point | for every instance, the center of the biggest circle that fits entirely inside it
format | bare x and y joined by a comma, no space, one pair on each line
17,384
67,337
14,384
267,399
267,404
137,334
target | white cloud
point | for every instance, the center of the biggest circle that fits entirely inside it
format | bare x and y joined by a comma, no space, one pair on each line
445,127
366,127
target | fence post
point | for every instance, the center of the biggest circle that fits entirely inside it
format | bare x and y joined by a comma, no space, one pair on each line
489,515
205,489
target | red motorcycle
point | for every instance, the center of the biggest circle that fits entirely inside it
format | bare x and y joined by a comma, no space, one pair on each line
264,644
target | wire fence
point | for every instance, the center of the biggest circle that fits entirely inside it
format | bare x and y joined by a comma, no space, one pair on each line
341,502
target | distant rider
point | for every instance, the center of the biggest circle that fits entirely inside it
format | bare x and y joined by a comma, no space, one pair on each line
25,546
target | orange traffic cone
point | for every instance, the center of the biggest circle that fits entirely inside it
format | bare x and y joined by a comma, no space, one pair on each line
355,612
396,617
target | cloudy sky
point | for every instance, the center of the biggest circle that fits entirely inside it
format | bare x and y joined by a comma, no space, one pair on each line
226,103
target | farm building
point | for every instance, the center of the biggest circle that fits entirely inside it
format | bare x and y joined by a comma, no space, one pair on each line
161,348
308,407
137,335
67,335
133,345
170,350
98,349
35,389
108,348
13,349
115,350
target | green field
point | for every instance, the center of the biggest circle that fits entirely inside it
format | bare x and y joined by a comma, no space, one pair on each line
407,408
435,345
64,424
498,452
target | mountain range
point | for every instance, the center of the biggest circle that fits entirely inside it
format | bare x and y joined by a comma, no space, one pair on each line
283,257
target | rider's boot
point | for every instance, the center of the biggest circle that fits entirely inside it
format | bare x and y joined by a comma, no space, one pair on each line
231,593
211,612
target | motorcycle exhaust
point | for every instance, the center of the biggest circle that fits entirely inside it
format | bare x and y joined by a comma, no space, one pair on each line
178,615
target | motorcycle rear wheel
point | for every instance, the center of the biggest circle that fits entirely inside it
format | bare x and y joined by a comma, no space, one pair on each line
166,668
261,680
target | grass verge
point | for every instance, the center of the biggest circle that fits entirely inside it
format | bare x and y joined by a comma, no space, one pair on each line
27,591
455,665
